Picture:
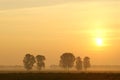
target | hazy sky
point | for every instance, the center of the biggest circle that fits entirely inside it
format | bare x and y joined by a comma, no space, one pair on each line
52,27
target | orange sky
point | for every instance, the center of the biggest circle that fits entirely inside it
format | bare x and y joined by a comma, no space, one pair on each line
57,27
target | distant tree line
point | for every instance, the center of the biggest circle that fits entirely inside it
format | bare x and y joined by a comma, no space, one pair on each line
29,60
67,61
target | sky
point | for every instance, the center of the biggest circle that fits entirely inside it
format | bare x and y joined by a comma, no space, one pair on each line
53,27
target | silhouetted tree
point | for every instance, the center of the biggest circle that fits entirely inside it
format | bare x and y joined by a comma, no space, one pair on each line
40,61
67,60
86,63
78,63
28,61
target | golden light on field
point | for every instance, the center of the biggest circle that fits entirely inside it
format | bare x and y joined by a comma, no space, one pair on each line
99,41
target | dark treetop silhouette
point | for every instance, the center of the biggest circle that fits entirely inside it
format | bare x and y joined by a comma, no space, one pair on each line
40,61
78,63
28,61
86,63
67,60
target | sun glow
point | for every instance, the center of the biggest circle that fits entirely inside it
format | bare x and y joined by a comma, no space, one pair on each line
99,41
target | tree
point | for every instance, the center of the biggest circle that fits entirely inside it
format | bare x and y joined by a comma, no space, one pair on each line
28,61
78,63
86,63
67,60
40,61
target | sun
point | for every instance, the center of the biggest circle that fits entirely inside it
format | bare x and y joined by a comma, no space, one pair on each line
99,41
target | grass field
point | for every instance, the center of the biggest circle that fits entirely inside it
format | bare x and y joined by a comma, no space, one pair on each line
60,76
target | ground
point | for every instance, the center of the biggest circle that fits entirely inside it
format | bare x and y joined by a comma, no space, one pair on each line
60,76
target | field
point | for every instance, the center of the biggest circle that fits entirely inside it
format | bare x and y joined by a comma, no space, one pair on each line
94,73
60,76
